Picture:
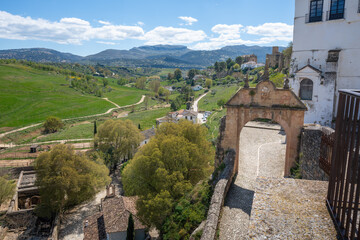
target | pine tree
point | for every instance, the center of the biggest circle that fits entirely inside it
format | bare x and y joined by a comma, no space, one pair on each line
130,232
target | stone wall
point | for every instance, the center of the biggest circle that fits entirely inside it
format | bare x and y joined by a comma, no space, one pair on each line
223,183
310,152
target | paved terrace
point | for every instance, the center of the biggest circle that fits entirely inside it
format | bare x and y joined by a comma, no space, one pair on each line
261,204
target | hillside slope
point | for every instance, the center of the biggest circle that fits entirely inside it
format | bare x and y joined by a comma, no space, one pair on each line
29,96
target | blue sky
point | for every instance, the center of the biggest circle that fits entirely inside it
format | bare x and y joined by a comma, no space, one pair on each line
87,27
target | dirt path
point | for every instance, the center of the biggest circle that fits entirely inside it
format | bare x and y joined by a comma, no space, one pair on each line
196,102
112,102
262,153
94,115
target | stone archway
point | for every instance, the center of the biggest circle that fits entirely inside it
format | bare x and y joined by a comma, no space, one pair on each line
264,101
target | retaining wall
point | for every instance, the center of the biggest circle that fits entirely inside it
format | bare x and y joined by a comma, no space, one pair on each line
222,186
310,152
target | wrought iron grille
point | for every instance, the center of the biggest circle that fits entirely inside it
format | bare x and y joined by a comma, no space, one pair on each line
344,182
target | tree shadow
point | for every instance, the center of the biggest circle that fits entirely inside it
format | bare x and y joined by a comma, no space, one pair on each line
240,198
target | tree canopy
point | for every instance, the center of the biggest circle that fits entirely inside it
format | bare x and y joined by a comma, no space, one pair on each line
66,179
163,170
117,139
52,124
7,189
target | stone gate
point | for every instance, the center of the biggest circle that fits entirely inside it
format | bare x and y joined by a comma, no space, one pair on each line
267,102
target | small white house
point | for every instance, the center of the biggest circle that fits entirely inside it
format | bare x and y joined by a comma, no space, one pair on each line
197,88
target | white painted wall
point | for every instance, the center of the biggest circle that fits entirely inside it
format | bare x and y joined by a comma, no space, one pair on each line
313,41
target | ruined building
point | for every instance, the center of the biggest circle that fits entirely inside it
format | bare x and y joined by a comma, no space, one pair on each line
326,55
249,58
276,59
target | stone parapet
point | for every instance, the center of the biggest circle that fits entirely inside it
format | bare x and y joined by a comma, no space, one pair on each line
217,200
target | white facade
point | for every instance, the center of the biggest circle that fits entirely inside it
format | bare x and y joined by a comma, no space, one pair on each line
312,42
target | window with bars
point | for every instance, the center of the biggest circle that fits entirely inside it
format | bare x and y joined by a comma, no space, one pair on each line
306,89
316,11
337,9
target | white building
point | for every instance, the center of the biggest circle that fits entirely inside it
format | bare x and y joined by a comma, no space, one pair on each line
251,65
326,54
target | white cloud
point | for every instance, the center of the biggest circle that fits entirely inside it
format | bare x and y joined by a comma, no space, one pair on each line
104,22
272,31
188,20
140,23
232,35
107,43
65,31
171,35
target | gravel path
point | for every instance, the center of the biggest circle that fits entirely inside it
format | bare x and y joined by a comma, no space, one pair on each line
262,153
196,102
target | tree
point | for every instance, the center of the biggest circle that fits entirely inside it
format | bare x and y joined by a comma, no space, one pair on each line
222,66
146,102
170,76
177,74
95,128
118,140
140,83
208,83
130,232
191,73
229,63
239,60
154,86
166,168
105,82
217,67
66,179
236,67
221,102
176,104
52,124
7,189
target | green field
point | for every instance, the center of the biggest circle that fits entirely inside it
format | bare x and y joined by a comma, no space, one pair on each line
28,96
209,102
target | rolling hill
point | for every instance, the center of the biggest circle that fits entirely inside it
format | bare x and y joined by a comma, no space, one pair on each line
160,56
29,96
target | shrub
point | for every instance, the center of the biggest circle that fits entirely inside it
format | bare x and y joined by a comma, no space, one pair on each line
52,124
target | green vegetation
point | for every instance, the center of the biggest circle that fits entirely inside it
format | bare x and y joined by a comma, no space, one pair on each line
130,231
188,213
66,179
167,168
147,118
117,140
29,96
7,189
209,102
52,124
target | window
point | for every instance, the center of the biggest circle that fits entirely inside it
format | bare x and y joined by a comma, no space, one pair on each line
337,9
316,11
359,7
306,89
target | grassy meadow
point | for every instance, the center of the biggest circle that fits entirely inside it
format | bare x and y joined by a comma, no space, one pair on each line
29,96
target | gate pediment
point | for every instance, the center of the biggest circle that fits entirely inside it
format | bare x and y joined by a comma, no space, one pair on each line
266,95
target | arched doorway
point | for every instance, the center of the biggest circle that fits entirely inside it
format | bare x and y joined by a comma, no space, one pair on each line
266,102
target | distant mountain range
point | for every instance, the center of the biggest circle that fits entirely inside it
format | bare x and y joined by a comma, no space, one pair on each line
161,56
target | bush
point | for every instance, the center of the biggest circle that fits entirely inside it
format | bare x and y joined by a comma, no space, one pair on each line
52,124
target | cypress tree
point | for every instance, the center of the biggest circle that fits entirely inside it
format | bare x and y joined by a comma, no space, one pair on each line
95,129
130,232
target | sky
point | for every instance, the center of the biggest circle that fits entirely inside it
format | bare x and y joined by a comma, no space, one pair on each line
86,27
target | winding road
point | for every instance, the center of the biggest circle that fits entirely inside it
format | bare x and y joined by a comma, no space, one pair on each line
196,102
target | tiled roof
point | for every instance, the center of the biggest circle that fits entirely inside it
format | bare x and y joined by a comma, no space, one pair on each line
113,218
149,133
